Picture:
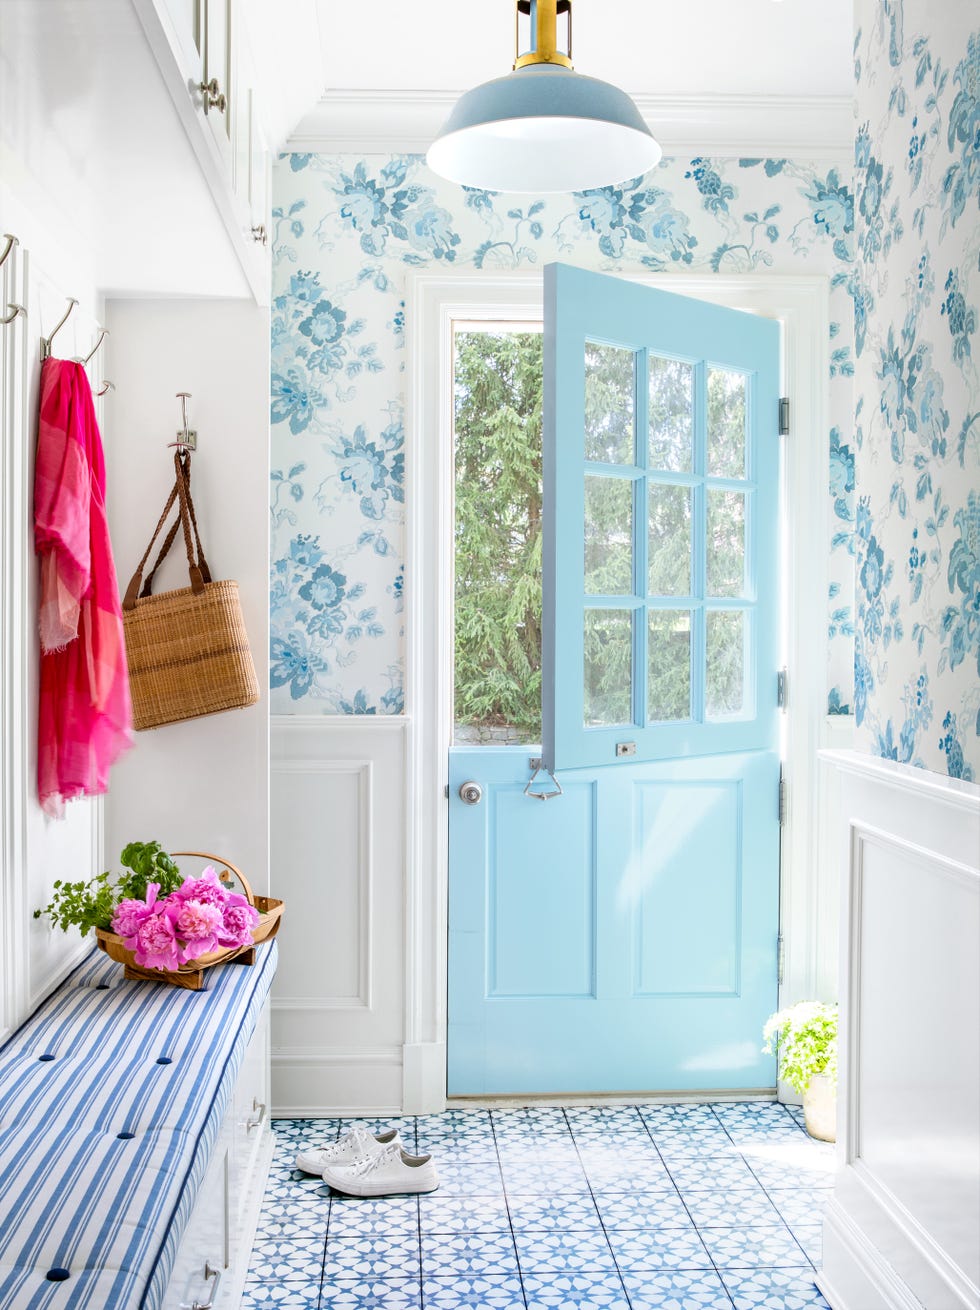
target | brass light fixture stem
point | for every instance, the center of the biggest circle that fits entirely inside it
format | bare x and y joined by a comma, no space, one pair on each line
544,14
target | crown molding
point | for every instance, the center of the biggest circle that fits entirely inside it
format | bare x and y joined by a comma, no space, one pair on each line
721,126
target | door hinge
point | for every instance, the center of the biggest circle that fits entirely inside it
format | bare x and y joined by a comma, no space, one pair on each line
446,791
782,798
784,416
781,689
780,959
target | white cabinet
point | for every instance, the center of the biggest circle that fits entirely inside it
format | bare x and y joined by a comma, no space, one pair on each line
212,1262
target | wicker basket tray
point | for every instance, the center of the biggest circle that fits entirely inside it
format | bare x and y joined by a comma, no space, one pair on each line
191,975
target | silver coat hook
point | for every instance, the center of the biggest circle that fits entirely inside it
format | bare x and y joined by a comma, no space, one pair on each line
46,341
106,388
186,437
18,309
102,336
11,241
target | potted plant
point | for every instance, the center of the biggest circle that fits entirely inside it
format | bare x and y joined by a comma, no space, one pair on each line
805,1037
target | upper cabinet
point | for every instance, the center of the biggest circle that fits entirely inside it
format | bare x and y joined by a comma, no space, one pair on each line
236,102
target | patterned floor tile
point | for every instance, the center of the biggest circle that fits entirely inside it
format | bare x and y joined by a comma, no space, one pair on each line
571,1253
502,1293
642,1210
351,1221
560,1191
757,1247
660,1248
677,1289
393,1256
258,1295
372,1294
542,1214
273,1258
532,1179
469,1179
584,1291
468,1255
712,1171
775,1289
801,1205
810,1238
733,1209
462,1214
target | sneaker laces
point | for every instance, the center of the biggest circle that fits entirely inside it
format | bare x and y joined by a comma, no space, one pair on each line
357,1138
372,1162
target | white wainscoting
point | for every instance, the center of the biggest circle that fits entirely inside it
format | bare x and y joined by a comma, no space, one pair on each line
338,861
903,1227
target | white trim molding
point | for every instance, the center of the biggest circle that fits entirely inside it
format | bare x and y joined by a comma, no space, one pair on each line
722,126
435,301
903,1229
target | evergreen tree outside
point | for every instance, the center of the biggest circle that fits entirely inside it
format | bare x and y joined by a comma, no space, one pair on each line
498,387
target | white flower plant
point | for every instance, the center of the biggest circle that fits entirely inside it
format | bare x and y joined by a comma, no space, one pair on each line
805,1037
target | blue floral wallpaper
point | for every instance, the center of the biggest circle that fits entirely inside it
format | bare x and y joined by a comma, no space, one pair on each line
348,230
917,387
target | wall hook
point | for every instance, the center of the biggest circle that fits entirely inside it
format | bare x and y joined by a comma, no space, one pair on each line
46,341
106,388
102,336
11,241
18,309
186,437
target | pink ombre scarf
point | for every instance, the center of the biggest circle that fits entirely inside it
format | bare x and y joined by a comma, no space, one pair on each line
84,715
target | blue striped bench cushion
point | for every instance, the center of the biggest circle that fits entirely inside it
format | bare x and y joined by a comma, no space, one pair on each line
111,1098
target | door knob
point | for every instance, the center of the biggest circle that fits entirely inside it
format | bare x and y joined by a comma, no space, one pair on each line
471,793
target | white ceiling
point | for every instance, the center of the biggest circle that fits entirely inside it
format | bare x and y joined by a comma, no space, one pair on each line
681,48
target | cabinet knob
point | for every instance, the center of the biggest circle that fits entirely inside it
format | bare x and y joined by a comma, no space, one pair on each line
260,234
213,97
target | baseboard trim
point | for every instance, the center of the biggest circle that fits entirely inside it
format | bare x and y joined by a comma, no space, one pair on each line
854,1274
336,1112
424,1077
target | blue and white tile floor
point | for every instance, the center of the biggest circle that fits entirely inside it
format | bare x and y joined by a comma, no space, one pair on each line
654,1207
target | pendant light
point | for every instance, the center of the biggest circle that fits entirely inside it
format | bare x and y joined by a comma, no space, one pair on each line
543,127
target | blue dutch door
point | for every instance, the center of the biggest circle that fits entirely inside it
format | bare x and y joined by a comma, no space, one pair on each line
621,936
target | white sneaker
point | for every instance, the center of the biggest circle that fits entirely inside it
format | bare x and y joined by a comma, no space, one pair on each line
354,1146
392,1172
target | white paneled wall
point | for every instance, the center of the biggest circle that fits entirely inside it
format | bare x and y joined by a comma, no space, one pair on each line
202,784
34,850
338,860
903,1227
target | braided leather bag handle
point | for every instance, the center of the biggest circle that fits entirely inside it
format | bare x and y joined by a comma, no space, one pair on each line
198,569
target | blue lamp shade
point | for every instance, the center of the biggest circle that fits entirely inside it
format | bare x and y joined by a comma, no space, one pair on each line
543,128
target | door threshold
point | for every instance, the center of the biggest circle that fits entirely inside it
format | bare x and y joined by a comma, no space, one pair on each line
560,1101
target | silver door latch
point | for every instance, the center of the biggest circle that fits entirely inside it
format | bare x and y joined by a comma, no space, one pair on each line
537,768
471,793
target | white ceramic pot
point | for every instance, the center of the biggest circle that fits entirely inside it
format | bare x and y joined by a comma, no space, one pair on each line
820,1108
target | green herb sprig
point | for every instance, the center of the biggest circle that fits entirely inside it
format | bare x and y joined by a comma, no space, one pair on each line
90,904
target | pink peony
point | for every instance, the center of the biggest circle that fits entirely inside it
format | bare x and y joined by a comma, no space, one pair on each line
206,889
155,944
197,925
239,920
129,914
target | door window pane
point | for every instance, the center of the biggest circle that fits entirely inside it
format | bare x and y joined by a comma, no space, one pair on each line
670,540
608,536
610,395
671,414
608,667
726,543
726,423
725,681
669,665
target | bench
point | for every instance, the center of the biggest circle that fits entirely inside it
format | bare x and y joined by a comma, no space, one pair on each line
121,1105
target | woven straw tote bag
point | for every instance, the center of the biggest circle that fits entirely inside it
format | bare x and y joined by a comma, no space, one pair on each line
187,650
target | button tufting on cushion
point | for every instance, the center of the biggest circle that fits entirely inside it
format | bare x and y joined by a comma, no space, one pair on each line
57,1275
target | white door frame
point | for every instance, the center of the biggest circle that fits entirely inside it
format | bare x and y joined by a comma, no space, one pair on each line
434,302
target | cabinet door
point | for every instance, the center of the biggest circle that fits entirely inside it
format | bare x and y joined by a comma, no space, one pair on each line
218,68
187,37
258,177
205,1244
